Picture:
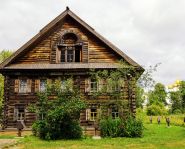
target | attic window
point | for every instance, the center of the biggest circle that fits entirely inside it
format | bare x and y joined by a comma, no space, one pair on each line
70,50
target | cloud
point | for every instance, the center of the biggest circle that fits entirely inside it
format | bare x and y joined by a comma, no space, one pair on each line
148,31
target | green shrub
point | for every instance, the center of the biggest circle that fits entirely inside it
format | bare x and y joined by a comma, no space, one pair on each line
130,127
177,111
156,110
110,127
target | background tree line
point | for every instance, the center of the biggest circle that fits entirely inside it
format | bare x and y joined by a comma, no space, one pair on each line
3,55
155,96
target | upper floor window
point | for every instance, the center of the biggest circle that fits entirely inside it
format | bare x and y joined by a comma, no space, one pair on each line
43,84
94,85
70,51
23,86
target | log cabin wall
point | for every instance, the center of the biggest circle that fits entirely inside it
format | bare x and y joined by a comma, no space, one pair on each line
12,99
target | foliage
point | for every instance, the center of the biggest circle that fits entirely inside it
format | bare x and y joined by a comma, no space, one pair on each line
155,137
156,110
182,91
146,80
58,118
110,127
176,102
158,95
129,127
139,97
132,127
175,120
3,55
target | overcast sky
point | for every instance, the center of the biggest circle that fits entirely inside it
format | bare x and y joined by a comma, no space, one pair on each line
149,31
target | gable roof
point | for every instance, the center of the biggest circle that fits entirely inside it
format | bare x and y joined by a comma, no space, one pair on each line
49,26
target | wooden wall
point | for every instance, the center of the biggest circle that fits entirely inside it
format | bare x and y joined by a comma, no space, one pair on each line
12,99
45,51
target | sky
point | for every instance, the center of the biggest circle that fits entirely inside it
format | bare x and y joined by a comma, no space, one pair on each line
148,31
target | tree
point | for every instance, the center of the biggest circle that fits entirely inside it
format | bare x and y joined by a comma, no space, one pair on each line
158,95
3,55
176,102
144,84
182,92
58,110
139,97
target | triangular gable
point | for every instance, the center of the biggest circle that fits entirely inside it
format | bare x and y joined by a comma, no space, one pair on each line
81,22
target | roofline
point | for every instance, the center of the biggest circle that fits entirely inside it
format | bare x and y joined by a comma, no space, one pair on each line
45,29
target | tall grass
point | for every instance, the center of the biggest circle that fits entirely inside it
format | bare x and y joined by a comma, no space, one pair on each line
177,120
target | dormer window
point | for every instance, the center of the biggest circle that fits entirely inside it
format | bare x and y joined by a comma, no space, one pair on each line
70,50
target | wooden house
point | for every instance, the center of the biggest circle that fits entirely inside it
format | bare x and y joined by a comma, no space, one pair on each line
66,45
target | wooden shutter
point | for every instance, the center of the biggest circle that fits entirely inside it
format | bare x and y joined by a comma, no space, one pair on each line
88,114
16,86
87,85
15,115
29,81
37,85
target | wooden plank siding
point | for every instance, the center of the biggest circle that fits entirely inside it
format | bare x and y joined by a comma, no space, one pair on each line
93,50
13,99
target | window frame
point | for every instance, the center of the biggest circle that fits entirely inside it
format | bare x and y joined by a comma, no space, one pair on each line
93,115
23,89
19,115
93,84
45,86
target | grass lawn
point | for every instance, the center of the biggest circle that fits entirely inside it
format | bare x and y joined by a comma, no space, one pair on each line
155,136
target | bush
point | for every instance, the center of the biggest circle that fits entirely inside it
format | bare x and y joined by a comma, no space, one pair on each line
156,110
110,127
130,127
59,118
177,111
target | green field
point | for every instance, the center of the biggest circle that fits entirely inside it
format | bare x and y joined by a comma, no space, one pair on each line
155,136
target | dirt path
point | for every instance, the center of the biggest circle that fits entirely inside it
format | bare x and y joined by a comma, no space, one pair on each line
7,142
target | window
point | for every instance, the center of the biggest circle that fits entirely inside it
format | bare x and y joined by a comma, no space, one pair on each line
115,113
94,85
23,86
63,84
70,49
19,113
93,114
43,84
70,55
115,87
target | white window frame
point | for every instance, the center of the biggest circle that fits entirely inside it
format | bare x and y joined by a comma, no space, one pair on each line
23,87
42,87
93,86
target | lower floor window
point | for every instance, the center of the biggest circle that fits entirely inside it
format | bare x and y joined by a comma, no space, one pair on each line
19,113
92,114
115,113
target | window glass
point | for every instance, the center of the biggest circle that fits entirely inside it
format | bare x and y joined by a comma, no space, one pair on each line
43,85
94,85
23,86
93,114
115,113
62,55
70,56
19,113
